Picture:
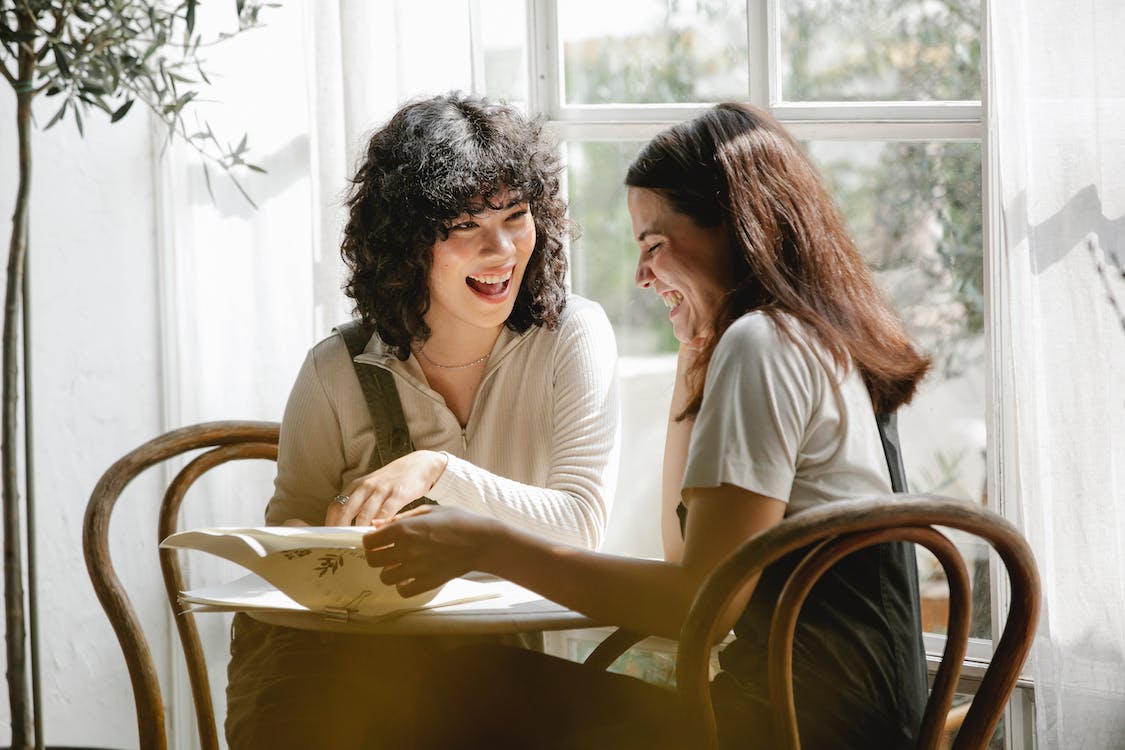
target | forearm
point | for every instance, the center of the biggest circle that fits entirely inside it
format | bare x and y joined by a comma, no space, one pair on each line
676,442
573,511
647,596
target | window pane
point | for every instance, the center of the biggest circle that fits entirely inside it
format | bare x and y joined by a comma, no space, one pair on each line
603,258
896,50
504,40
914,210
650,51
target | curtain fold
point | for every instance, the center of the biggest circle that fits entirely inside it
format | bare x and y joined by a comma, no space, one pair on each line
245,289
1057,99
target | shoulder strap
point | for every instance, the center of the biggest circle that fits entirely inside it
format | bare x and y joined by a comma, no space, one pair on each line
888,435
392,437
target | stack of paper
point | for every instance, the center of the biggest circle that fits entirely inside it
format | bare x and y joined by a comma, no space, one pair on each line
319,569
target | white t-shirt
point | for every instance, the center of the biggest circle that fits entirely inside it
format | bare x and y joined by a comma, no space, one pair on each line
778,419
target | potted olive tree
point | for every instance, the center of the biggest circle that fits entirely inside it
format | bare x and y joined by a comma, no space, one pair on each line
88,56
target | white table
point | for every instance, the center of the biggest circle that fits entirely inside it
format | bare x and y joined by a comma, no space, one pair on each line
516,610
477,605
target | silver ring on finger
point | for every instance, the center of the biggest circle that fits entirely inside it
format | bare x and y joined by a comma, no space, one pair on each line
341,499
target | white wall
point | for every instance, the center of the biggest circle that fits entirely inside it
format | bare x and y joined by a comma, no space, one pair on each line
96,365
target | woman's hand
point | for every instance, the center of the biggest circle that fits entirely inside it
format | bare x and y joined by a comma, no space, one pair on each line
386,491
423,548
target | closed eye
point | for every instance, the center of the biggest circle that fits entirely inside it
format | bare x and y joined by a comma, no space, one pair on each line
655,247
462,226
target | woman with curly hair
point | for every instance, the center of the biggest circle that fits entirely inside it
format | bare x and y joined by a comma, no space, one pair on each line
506,382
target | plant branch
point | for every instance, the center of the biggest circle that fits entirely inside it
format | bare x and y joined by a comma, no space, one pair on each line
8,75
9,420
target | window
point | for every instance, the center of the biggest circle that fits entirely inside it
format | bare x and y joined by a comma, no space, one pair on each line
885,95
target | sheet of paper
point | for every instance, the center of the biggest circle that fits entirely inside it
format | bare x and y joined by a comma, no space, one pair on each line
320,567
251,592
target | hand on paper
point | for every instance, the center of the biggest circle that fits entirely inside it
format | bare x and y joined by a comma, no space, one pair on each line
425,547
386,491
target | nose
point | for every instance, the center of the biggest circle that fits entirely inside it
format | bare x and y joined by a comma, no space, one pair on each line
498,242
643,278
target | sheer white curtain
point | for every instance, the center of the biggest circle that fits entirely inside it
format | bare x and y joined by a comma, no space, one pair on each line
246,291
1057,92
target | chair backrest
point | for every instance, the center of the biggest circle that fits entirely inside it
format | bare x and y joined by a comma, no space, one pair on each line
838,529
227,441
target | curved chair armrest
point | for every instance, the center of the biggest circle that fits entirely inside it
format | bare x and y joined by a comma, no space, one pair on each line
614,645
907,516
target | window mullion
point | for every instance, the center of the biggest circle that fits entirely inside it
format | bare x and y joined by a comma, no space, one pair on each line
761,52
476,48
543,58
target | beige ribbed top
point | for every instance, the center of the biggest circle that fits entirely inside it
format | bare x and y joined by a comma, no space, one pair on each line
539,450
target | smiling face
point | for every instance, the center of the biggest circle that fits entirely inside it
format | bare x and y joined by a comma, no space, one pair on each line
477,270
689,266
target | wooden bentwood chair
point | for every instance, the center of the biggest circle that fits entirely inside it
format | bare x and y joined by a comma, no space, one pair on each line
838,529
226,441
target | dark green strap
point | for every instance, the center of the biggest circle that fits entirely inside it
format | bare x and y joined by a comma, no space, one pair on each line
392,436
888,435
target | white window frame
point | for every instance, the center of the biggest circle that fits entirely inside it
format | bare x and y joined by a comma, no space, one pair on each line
949,121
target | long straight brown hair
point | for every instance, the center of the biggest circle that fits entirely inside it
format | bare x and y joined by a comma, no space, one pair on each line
736,166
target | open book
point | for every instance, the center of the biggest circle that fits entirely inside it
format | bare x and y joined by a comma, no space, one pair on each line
318,569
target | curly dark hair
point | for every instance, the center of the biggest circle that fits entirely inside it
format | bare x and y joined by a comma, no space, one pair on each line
433,161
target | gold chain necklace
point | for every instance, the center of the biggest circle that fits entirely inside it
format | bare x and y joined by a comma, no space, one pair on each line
422,354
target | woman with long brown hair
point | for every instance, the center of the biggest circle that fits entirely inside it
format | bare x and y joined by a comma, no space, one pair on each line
790,359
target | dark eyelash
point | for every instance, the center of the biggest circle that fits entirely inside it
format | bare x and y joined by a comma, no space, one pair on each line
654,247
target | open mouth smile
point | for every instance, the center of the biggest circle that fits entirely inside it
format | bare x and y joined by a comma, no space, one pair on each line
492,285
672,300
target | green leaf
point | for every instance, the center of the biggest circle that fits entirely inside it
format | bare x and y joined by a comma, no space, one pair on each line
16,35
78,121
189,18
255,168
183,100
121,111
207,181
60,60
245,195
58,115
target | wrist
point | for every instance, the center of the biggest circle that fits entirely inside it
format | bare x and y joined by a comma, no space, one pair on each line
438,460
496,540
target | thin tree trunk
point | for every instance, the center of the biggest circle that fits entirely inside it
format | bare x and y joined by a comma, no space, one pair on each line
13,555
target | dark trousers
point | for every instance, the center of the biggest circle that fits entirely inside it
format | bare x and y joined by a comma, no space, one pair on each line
498,697
299,689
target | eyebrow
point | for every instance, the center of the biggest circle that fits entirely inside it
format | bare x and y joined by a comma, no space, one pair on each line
486,207
511,204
